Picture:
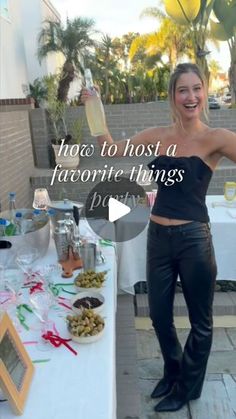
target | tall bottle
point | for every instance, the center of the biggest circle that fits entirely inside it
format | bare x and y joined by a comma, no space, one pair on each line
18,223
94,108
12,206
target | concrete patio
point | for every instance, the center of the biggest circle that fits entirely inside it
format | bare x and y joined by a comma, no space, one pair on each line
140,365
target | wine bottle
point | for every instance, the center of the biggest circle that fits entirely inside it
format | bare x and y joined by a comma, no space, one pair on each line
94,108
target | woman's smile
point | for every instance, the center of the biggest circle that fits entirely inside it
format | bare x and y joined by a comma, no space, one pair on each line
189,94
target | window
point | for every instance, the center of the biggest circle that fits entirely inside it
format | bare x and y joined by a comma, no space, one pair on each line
4,9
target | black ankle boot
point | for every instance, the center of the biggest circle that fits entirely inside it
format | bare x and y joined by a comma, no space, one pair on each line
162,388
176,399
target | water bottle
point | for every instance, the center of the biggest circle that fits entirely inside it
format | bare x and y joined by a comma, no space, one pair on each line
39,218
12,205
18,223
3,224
94,108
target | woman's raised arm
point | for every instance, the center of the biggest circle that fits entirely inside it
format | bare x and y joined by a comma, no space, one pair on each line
145,137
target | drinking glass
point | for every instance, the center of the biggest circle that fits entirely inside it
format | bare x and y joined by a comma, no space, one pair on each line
230,191
47,275
2,278
14,279
25,258
42,301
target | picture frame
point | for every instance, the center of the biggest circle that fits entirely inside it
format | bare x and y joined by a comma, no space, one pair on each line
16,367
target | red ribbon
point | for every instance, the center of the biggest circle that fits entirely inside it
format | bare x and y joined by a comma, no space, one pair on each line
57,341
37,287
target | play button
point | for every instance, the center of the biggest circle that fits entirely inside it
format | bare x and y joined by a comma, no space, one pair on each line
116,210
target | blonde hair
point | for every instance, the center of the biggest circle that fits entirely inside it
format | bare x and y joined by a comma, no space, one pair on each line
178,71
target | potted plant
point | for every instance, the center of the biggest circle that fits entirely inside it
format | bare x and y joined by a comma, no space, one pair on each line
56,110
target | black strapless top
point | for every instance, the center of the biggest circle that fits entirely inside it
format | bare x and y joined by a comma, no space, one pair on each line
183,200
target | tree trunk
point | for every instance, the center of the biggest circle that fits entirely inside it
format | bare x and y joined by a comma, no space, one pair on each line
106,99
232,74
68,75
202,63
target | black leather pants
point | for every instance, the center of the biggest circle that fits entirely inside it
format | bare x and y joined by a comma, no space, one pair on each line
185,250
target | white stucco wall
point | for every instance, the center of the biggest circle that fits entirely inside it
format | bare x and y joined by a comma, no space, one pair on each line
34,13
13,70
19,64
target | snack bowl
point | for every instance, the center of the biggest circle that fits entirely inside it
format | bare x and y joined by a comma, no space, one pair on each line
91,297
90,280
86,327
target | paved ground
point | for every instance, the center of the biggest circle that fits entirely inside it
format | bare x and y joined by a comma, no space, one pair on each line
218,400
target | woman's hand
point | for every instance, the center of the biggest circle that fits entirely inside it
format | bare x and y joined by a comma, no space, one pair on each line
86,93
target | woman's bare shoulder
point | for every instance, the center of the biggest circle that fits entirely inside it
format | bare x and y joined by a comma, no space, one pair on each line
153,134
223,142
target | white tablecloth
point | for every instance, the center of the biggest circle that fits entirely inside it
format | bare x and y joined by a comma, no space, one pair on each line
132,254
69,386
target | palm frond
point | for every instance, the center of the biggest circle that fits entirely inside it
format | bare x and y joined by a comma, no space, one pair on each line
153,12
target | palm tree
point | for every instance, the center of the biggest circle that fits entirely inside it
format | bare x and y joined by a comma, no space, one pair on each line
171,39
73,41
225,30
194,14
106,61
215,69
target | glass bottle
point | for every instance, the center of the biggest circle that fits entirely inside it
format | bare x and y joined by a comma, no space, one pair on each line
94,108
12,205
18,223
3,224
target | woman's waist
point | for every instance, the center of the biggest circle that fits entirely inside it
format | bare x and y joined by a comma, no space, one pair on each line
168,221
183,227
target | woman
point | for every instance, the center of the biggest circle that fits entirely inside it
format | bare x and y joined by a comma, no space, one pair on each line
179,238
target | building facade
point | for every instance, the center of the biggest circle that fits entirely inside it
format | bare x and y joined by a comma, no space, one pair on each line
20,23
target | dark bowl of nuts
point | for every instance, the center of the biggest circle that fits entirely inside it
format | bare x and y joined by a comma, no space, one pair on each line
87,299
86,327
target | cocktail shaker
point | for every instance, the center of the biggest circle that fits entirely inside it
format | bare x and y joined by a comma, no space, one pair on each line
61,237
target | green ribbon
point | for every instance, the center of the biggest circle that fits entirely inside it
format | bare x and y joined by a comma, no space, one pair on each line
40,361
21,316
104,242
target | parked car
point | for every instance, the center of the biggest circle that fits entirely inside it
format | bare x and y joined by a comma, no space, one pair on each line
213,103
227,98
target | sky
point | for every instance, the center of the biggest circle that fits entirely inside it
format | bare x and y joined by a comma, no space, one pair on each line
121,16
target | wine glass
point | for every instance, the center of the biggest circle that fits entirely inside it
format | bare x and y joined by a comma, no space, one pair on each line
42,301
25,258
47,275
14,279
2,278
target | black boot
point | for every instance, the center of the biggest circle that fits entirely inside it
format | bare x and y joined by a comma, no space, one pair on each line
162,388
175,400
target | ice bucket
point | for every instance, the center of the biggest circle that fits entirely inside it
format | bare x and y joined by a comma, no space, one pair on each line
9,245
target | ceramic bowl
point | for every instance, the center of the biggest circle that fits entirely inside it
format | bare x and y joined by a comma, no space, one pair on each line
84,294
87,339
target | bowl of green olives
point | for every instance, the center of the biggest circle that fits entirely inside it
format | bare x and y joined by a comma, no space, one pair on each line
87,299
90,280
86,327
